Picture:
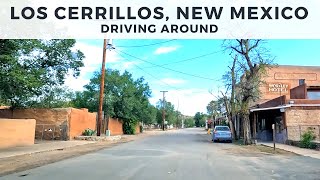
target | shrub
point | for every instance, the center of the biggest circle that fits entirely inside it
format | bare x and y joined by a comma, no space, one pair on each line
129,127
88,132
307,138
141,129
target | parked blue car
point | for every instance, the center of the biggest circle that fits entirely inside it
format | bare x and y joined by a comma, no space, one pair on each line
221,133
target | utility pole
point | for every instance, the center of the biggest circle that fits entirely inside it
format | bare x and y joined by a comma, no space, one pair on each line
100,115
163,106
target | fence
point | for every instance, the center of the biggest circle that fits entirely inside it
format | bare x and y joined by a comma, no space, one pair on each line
51,132
295,132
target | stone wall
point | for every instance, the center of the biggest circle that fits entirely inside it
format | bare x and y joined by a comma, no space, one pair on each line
299,119
17,132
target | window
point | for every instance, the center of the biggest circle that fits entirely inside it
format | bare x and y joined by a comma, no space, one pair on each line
222,128
313,95
301,81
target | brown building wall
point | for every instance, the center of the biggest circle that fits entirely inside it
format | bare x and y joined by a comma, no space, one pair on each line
57,123
50,123
299,92
81,119
299,119
280,79
17,132
115,126
6,113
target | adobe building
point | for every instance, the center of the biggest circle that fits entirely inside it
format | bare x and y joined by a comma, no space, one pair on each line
290,99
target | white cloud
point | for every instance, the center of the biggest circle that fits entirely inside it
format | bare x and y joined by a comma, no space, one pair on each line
125,65
187,101
76,84
172,81
166,49
92,62
93,55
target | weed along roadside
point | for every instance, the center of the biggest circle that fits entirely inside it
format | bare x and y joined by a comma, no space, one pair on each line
36,158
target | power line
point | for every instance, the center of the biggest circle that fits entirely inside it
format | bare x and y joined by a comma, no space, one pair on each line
149,73
155,77
189,59
193,75
145,45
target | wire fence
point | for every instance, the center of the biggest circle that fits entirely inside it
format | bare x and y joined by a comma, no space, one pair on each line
51,132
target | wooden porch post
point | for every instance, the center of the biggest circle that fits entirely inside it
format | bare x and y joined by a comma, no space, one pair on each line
254,125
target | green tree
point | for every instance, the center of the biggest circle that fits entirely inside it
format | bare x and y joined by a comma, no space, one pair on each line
57,97
199,119
189,122
125,98
30,68
214,108
171,115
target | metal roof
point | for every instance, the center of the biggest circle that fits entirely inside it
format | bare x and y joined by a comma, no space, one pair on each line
285,106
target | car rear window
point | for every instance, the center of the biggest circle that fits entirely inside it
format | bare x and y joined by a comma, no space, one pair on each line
223,128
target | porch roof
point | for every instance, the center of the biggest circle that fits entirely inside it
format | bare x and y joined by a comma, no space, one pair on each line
284,106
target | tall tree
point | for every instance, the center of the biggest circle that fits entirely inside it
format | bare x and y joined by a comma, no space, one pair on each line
253,60
30,68
189,122
230,79
213,109
199,119
125,98
171,115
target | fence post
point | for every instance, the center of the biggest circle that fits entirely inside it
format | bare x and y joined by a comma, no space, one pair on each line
54,129
274,137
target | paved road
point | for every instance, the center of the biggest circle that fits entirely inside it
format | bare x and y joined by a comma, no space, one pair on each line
183,154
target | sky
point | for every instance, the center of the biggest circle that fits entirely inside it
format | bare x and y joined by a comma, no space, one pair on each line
190,70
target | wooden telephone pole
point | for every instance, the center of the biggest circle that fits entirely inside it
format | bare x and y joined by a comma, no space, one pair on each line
163,106
100,115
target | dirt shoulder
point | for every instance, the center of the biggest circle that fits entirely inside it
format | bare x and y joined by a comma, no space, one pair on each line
29,161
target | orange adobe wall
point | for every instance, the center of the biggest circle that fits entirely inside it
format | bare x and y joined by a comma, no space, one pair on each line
17,132
115,126
81,119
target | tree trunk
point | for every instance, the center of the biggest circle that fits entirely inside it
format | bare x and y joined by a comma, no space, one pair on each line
246,129
233,131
